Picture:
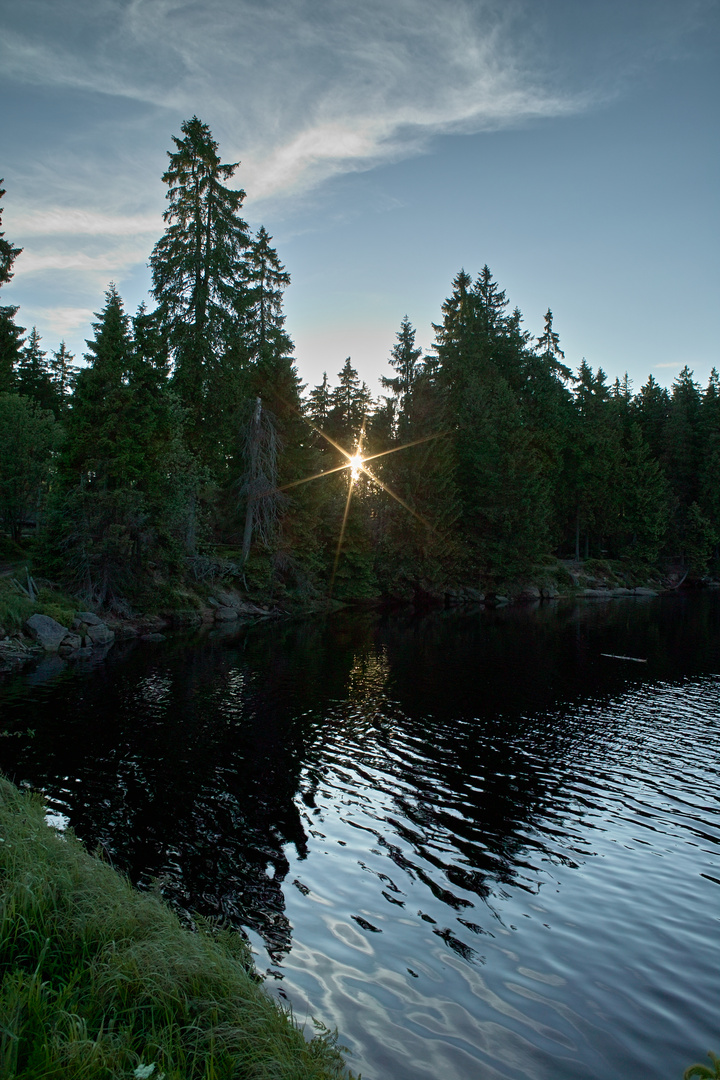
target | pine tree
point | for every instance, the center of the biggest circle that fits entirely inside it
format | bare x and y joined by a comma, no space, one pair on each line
350,405
199,282
645,501
63,375
595,461
709,487
10,333
405,360
651,408
548,347
319,403
32,374
122,469
266,282
29,438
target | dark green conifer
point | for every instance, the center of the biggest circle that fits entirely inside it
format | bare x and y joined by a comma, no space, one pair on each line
199,282
10,333
33,377
63,375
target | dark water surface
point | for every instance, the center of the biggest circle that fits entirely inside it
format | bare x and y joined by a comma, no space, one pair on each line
471,842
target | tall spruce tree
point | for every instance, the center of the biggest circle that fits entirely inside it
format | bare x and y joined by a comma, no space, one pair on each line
199,282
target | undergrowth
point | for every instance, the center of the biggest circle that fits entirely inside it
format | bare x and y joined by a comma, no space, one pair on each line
101,981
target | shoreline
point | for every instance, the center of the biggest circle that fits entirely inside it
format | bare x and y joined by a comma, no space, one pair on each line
78,634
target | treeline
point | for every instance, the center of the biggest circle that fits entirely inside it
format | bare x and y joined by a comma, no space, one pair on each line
185,442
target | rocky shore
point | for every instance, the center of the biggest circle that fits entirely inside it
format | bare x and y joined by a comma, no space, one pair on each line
87,633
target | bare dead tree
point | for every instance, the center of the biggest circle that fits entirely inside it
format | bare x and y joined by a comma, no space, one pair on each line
258,488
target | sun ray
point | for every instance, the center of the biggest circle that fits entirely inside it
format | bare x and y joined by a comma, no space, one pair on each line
398,499
414,442
306,479
341,537
356,464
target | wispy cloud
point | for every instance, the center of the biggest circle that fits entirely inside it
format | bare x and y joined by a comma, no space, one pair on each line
61,320
113,261
68,221
301,89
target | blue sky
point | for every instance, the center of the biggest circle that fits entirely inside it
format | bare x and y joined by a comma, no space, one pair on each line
572,145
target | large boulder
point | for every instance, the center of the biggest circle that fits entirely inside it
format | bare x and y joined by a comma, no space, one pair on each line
46,631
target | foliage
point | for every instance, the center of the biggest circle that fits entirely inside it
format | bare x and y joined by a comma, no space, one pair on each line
10,333
198,277
703,1072
99,980
29,438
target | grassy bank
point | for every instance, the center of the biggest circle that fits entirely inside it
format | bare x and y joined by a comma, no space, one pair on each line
101,981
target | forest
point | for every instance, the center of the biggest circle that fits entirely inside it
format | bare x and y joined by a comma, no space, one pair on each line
186,448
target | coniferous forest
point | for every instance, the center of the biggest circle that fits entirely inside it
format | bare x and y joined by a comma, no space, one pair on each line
179,452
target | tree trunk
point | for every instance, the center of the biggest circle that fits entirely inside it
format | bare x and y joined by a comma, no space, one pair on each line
250,509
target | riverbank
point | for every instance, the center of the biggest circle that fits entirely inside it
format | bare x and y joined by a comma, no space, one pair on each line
100,980
65,627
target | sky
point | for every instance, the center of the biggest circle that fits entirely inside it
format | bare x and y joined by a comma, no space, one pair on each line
571,145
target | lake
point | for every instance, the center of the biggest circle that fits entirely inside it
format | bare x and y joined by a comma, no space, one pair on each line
475,844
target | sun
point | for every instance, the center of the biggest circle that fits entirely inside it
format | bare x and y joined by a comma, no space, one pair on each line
356,466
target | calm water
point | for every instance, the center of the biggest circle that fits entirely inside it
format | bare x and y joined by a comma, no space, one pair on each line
471,842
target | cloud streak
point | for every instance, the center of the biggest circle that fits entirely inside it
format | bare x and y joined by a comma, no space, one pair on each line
302,90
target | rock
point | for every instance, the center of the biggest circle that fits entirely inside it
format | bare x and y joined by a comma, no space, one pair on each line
225,614
474,595
92,630
100,635
46,631
644,590
494,600
153,637
229,599
530,592
70,644
89,618
549,592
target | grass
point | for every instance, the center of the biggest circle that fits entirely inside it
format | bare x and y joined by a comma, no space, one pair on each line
102,981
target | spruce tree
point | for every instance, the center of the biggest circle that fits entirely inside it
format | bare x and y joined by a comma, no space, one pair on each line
350,405
29,438
33,377
405,360
63,375
10,333
651,408
122,470
594,468
199,282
